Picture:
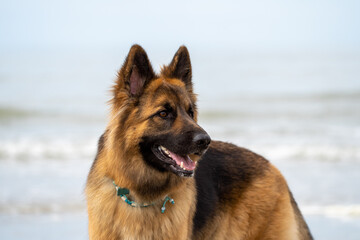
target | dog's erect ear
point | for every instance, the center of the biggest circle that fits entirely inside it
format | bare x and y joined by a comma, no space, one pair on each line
135,73
180,67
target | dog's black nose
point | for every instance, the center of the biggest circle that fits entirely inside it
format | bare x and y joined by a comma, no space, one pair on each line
202,140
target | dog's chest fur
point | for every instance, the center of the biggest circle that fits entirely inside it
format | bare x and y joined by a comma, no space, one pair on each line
144,223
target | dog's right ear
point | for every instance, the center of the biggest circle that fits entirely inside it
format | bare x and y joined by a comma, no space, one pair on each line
134,74
180,67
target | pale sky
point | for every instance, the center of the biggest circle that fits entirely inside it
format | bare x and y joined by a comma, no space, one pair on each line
266,24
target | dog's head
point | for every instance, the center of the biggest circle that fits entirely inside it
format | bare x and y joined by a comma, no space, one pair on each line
154,117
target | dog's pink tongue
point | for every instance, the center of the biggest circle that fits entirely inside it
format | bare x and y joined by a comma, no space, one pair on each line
187,163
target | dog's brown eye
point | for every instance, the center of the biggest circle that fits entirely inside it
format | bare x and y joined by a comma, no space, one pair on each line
163,114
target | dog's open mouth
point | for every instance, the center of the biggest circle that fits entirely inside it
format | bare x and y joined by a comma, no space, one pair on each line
180,165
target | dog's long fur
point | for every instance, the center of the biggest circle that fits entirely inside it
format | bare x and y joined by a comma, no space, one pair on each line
234,193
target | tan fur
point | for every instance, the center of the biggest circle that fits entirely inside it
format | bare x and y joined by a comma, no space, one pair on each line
110,218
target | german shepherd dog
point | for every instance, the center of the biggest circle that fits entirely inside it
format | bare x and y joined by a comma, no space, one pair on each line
158,175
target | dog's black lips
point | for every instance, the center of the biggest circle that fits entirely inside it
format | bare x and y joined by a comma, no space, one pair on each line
170,164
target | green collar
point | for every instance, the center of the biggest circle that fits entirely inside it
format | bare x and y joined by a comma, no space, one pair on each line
122,192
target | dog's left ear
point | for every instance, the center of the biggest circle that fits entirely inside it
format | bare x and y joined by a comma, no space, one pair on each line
180,67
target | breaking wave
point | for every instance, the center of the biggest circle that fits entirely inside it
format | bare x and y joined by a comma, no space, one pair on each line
26,149
336,211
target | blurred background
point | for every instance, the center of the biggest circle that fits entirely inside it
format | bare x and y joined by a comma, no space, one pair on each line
279,77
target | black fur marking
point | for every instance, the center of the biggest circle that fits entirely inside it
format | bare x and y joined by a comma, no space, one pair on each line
224,169
207,191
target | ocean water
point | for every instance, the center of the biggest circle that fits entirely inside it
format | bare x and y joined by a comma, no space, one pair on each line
301,110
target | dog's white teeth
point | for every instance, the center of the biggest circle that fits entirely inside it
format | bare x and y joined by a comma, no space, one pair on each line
182,165
163,149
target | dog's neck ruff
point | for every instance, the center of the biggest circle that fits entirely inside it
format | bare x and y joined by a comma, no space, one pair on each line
122,192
